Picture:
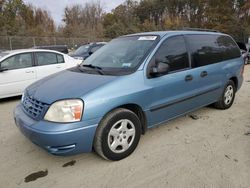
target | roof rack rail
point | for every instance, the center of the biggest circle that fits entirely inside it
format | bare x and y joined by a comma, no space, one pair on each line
199,29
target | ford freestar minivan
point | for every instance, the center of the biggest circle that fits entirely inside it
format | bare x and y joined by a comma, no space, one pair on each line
133,83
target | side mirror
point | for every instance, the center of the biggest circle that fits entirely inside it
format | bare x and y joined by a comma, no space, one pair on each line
159,69
90,53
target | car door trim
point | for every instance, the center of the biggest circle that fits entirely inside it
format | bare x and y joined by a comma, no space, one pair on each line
159,107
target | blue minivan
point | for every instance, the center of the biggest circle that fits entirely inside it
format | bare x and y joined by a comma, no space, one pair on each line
133,83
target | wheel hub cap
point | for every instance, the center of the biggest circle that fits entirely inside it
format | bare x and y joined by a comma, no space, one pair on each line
121,136
228,96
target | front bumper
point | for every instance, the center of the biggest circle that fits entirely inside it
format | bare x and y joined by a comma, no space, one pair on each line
59,139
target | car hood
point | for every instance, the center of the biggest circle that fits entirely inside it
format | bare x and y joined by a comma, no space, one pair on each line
66,84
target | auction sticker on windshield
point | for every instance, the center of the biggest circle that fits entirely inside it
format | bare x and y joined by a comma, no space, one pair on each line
148,38
126,65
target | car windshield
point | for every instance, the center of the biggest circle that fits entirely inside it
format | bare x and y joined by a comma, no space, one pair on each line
82,49
124,53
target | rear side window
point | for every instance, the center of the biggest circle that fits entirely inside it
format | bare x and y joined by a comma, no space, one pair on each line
48,58
60,58
210,49
230,48
174,53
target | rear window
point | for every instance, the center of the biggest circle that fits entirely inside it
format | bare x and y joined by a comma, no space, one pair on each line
210,49
242,46
82,50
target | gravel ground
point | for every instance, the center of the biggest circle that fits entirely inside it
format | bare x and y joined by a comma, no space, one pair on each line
208,148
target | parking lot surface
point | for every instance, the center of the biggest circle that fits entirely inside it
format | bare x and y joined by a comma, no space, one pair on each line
207,148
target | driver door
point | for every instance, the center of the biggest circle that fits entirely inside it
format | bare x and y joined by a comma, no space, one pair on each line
17,73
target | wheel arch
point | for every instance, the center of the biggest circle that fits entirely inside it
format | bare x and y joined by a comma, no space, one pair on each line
138,111
235,80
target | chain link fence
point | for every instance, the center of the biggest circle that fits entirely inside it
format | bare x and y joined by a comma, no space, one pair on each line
20,42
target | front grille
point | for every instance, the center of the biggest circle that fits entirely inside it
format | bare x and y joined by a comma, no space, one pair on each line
33,107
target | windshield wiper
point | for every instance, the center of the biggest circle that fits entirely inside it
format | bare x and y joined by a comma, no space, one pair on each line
98,69
91,66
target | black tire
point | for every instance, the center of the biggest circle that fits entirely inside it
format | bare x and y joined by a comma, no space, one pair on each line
102,137
221,104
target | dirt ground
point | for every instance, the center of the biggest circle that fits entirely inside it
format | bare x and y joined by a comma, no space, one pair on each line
209,148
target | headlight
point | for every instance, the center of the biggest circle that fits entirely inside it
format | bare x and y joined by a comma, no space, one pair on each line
65,111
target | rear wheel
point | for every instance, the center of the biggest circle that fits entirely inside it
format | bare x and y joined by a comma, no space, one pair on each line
227,97
117,135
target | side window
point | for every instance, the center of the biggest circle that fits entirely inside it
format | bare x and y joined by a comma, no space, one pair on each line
210,49
46,58
173,52
60,58
229,48
18,61
204,49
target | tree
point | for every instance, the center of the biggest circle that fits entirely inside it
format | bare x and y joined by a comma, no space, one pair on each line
89,19
122,20
82,20
2,21
17,18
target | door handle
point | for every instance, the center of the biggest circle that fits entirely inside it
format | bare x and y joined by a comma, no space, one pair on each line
188,78
29,71
204,74
58,66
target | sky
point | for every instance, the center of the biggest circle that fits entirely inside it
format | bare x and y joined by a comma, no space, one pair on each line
56,7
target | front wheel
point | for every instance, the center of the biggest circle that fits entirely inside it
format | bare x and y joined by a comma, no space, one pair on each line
227,97
117,135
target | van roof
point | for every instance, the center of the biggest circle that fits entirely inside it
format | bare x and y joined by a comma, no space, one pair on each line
181,32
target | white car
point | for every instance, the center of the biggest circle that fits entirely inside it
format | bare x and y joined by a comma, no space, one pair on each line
20,68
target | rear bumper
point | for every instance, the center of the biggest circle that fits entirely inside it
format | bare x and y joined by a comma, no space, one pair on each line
56,141
240,82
